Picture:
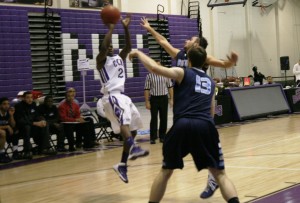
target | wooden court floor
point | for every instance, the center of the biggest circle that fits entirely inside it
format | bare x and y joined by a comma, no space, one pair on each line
260,158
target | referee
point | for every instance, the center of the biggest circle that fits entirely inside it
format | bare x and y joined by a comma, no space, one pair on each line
156,98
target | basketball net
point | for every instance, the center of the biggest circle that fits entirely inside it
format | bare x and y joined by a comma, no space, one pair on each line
264,4
262,9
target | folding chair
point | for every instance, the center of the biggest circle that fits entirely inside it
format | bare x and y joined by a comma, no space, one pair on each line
53,140
8,147
103,124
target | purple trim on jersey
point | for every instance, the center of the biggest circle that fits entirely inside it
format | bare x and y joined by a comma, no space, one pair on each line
102,76
116,108
105,72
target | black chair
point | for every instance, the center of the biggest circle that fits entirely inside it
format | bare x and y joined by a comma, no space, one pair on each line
8,148
103,124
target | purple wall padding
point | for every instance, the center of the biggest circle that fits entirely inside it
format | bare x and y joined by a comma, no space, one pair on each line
15,58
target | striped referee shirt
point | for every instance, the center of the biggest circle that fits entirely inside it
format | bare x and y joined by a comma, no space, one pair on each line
158,85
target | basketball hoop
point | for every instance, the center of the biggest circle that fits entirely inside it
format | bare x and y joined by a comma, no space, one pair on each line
263,3
215,3
262,9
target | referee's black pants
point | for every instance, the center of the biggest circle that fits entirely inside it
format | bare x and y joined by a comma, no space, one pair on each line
159,104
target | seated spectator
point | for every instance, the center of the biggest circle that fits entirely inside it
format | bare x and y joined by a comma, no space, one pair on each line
269,80
50,113
30,123
70,90
7,125
18,99
69,112
237,82
226,83
258,76
4,158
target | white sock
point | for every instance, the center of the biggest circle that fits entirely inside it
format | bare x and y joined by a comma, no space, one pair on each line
211,177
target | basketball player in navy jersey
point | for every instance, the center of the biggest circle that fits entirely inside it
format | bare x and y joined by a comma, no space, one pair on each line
119,109
181,55
181,61
193,129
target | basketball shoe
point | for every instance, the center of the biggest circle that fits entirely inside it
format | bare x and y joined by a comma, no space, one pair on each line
136,152
211,187
121,170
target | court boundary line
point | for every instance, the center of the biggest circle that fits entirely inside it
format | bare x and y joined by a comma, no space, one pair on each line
272,193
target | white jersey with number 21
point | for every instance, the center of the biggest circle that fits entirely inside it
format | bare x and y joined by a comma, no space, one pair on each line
112,75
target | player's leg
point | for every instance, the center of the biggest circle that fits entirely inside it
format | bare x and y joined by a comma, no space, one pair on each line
135,123
173,152
128,140
133,133
2,140
109,107
153,121
163,117
118,111
130,150
207,152
3,157
159,185
226,186
121,168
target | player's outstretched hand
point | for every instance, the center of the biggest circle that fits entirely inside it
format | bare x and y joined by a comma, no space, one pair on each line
126,21
133,54
233,58
145,24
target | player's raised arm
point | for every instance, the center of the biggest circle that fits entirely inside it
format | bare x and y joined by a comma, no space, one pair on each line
232,59
104,48
172,51
173,73
125,51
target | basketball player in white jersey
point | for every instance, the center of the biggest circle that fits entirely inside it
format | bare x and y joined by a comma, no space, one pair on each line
119,109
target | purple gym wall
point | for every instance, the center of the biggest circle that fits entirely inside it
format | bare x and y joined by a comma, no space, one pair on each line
86,28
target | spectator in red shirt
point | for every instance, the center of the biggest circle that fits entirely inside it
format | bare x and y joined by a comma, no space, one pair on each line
70,114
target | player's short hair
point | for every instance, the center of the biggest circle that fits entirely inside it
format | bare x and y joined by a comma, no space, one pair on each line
3,99
203,42
197,56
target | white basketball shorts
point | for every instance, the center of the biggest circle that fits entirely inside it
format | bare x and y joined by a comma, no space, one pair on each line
120,110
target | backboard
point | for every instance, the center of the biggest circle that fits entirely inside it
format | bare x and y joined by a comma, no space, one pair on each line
215,3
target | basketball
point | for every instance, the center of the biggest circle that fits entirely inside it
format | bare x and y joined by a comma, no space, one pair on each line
110,15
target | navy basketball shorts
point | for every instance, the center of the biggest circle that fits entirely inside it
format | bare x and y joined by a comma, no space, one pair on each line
197,137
